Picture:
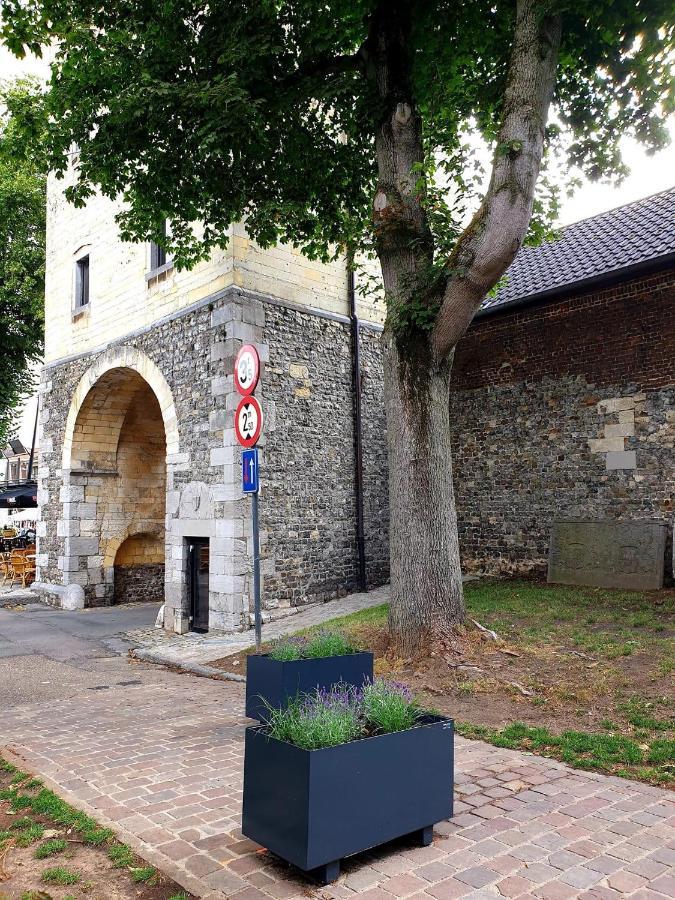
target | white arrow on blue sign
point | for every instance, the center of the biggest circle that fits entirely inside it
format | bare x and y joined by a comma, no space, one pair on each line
250,478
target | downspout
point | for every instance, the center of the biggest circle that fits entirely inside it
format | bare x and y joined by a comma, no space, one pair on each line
358,429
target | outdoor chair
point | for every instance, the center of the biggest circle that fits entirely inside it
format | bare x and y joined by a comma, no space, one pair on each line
6,568
23,569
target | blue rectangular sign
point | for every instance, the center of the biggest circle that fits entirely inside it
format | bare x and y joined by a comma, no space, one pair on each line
250,480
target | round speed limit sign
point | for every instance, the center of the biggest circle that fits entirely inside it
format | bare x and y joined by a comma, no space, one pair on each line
246,369
248,421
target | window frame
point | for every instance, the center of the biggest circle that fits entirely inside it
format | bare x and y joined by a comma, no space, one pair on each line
159,260
82,296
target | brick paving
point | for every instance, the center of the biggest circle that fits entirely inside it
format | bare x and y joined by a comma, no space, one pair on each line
162,761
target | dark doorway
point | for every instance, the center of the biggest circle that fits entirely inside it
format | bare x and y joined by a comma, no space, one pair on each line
198,581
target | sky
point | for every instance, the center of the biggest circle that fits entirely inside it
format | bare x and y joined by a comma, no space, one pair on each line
649,174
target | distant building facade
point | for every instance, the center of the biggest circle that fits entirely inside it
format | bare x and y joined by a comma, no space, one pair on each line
140,475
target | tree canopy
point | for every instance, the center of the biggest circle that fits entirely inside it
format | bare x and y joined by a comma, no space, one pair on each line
216,111
22,244
348,125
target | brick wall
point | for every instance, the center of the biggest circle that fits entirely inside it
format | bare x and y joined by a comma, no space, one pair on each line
566,409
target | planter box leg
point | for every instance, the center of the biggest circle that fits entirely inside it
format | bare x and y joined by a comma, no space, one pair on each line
327,873
424,836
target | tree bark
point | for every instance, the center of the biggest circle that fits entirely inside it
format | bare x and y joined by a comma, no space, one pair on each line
427,601
488,246
426,578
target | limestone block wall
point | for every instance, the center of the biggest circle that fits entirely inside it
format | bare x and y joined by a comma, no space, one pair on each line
185,362
123,296
564,410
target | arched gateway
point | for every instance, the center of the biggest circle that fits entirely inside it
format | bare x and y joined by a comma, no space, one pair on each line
120,427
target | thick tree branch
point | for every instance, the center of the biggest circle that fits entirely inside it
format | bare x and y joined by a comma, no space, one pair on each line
403,238
489,244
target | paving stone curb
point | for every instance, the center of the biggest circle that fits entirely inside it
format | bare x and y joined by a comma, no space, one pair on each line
194,668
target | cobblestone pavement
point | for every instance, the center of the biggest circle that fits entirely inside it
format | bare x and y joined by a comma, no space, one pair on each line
161,760
202,649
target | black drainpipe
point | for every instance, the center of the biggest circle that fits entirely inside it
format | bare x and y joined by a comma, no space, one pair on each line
358,436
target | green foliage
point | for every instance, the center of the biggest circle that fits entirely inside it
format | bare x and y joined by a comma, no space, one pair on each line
327,643
144,874
60,876
50,848
606,753
323,719
326,718
286,650
121,856
29,835
640,714
322,643
23,822
389,706
273,117
23,182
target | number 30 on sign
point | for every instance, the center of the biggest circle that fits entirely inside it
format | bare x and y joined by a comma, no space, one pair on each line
248,421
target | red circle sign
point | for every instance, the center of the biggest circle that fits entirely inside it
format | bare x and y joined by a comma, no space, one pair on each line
247,369
248,421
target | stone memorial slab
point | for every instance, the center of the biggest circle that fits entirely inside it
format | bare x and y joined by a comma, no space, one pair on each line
605,553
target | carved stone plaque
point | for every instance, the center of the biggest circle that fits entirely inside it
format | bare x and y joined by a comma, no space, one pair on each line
605,553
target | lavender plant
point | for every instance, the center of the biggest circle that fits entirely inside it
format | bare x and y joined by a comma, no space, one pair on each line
324,643
344,713
389,706
288,649
322,719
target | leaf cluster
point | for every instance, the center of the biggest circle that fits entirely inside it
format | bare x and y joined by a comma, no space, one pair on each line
217,112
23,181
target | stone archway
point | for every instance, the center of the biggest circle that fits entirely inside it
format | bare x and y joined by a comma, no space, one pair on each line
121,426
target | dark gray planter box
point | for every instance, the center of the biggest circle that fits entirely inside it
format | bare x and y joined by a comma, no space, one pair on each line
275,681
315,807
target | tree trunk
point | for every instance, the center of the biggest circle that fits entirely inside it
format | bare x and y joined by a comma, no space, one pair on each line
426,577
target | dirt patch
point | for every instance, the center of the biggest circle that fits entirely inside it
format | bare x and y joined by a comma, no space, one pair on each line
23,833
549,685
565,659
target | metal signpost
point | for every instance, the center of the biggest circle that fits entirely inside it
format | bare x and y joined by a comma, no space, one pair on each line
248,423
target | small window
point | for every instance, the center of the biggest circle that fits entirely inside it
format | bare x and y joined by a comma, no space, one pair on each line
82,282
158,253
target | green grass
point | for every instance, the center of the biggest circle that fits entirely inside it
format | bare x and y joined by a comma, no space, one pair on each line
538,611
640,714
181,896
50,848
121,856
26,831
29,835
609,627
144,874
601,752
60,876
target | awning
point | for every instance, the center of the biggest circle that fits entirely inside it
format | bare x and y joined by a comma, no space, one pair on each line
19,496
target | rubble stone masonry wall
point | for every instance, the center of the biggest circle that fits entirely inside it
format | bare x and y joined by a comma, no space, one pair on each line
564,410
307,501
